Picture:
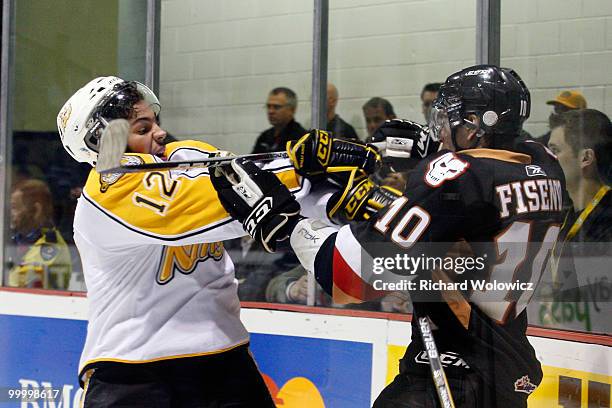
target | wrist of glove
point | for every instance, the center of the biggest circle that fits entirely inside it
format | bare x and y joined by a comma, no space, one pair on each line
257,198
360,200
318,155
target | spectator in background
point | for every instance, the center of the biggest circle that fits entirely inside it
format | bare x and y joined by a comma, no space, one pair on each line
39,256
428,96
335,123
289,287
376,111
582,141
281,107
564,102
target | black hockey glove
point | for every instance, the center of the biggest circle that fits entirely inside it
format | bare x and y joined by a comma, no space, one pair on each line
360,199
258,199
317,155
401,139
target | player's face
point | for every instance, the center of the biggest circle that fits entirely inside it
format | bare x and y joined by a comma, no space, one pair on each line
445,138
145,134
427,99
374,117
279,112
567,158
440,128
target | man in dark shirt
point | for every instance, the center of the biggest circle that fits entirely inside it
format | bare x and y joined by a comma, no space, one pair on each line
428,96
582,142
281,107
375,111
335,124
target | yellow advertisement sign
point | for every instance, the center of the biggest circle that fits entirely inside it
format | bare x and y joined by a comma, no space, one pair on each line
560,387
564,387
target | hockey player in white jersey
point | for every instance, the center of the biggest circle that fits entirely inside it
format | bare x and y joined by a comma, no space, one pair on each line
164,327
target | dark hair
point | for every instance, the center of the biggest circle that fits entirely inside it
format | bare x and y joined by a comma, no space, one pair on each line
590,129
292,99
378,102
121,105
432,87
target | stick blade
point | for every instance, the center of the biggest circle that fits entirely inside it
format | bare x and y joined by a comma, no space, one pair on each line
113,143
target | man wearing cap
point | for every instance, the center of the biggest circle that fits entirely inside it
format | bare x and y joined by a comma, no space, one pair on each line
564,102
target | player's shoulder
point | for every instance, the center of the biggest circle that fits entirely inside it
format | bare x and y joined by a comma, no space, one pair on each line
494,157
193,145
474,169
527,159
101,187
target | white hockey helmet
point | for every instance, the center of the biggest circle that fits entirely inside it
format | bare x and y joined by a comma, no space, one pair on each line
83,117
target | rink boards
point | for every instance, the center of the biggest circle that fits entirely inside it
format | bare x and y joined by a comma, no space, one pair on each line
308,359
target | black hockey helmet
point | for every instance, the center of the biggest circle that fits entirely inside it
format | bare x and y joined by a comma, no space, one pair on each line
498,96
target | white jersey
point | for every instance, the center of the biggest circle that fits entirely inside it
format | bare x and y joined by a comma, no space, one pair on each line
160,284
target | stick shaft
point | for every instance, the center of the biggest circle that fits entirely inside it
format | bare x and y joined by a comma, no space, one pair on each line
437,371
188,164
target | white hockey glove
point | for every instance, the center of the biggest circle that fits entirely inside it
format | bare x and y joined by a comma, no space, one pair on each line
257,198
402,143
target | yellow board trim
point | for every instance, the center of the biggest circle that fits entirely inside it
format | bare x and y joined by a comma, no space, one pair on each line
547,394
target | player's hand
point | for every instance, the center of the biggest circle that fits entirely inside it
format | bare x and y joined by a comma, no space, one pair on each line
360,199
400,138
317,155
396,302
258,199
298,290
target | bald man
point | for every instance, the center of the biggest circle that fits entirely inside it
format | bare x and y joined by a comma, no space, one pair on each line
335,123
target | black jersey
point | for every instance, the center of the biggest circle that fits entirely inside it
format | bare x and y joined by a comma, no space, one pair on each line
502,209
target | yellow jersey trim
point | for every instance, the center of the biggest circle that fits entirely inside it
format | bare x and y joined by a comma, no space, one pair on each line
504,155
153,360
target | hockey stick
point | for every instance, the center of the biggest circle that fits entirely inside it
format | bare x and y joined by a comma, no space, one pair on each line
437,371
113,143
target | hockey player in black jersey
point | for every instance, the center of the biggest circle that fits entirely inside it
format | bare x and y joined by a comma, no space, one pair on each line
488,195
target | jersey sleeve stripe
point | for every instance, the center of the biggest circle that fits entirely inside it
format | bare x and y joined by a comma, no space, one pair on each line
353,269
348,286
342,298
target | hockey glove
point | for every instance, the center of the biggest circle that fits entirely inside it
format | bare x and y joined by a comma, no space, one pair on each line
359,200
258,199
317,155
404,139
